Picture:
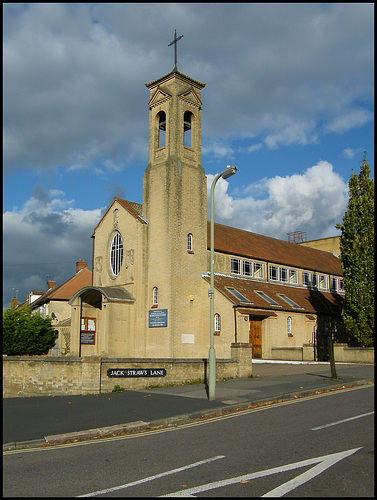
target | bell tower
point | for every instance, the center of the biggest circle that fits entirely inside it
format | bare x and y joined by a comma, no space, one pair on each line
175,206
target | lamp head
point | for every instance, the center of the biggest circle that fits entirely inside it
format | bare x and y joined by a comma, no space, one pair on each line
228,172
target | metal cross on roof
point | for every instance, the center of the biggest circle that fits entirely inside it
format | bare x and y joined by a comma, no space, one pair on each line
174,42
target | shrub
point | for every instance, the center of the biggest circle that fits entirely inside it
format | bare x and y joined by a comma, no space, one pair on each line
27,333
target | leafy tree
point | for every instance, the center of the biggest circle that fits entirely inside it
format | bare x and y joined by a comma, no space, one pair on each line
26,333
357,257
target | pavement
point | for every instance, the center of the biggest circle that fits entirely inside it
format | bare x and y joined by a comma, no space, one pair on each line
43,420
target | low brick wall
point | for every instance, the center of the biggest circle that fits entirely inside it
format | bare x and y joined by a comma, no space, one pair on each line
287,353
51,376
345,354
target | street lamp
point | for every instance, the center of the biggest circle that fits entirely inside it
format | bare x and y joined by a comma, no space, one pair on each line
228,172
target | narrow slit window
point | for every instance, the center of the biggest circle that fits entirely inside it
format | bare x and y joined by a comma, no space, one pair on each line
289,325
217,323
161,129
189,243
187,129
155,296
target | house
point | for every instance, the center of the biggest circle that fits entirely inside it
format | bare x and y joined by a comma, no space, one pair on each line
54,303
149,297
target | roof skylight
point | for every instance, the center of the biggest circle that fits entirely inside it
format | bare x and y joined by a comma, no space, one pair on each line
272,302
237,294
289,301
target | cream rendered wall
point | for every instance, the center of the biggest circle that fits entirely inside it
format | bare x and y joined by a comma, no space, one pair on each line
174,203
274,331
124,322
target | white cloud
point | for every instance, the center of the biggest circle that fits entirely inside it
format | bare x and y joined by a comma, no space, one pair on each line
312,202
349,121
45,236
351,152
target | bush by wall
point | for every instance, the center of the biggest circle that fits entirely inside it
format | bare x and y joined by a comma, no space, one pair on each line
27,333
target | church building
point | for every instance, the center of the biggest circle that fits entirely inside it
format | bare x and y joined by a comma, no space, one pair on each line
149,296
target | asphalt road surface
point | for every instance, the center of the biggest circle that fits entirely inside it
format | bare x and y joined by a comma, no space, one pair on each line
319,446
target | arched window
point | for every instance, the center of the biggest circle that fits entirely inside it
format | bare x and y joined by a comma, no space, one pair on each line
187,129
161,116
289,325
217,323
189,243
116,254
155,296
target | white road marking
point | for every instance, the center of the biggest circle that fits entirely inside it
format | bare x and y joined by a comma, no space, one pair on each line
151,478
323,462
342,421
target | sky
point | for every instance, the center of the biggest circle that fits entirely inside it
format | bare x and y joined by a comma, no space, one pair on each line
288,100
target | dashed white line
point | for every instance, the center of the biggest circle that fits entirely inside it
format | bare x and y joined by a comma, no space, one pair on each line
151,478
342,421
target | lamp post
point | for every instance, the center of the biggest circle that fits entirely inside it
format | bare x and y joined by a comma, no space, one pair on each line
228,172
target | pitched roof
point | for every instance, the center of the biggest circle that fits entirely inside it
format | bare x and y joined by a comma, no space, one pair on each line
310,301
66,289
256,246
135,209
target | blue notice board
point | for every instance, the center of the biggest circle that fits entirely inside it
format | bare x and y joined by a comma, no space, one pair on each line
158,317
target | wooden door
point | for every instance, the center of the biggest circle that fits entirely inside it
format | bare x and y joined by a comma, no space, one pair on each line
255,337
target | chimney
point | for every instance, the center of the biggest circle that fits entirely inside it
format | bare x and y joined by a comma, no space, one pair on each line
51,284
80,264
14,303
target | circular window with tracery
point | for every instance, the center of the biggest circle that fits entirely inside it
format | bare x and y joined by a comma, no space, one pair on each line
116,254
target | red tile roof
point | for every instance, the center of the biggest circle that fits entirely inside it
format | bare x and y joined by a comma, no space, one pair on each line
310,300
67,289
255,246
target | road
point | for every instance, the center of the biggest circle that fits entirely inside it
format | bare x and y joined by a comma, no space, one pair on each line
321,445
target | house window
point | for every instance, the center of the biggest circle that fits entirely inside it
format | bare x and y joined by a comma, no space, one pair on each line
322,281
334,283
284,274
155,296
189,242
88,324
314,280
293,277
258,270
116,254
235,266
289,325
217,323
306,278
274,273
247,268
340,285
161,116
187,129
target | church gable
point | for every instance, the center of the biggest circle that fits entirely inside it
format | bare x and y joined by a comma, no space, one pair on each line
191,97
158,97
116,244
